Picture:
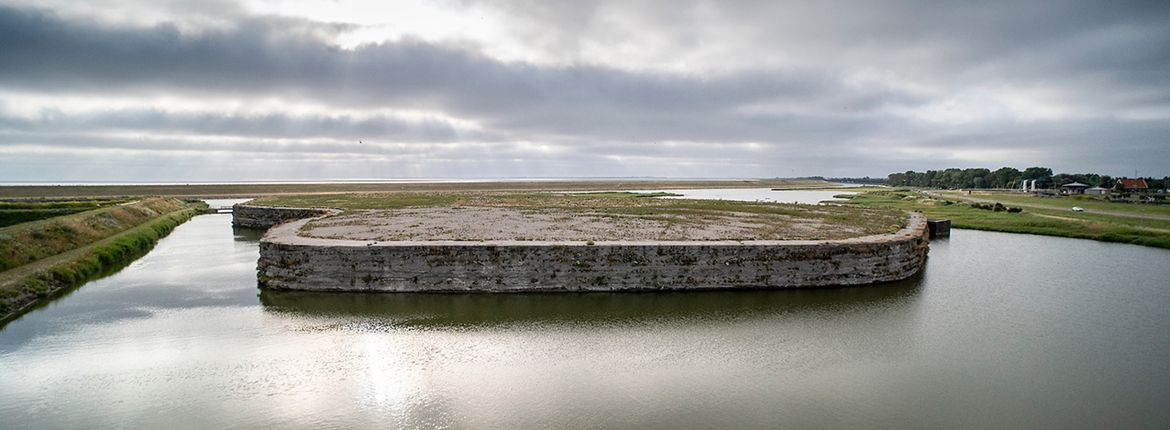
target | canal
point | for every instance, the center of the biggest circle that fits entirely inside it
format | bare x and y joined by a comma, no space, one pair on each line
1000,330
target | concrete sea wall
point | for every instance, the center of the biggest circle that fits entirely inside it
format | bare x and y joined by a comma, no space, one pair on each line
292,262
245,215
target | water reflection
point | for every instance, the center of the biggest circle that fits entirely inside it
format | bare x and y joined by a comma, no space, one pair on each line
808,197
437,310
244,234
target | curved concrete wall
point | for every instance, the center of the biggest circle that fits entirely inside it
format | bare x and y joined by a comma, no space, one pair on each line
288,261
245,215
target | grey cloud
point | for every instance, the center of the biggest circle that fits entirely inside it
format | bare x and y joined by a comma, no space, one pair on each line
1081,147
1101,59
1111,53
197,143
53,55
377,128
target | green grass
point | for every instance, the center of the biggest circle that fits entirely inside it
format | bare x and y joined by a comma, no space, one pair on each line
1067,202
630,194
77,204
1139,223
16,216
361,201
1048,222
18,211
31,241
17,293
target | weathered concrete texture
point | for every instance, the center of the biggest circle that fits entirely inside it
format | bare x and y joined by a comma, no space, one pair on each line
939,227
470,223
290,261
245,215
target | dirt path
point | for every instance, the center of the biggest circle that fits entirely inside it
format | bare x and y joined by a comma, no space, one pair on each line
11,279
1089,221
19,273
1040,206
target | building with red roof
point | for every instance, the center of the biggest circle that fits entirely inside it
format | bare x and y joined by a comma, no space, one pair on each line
1134,185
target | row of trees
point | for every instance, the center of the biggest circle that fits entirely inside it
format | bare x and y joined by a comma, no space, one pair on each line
1006,177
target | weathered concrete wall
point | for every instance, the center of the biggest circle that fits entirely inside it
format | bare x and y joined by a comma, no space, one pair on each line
289,261
245,215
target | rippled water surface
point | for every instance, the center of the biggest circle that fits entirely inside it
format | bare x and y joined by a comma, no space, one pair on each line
1000,330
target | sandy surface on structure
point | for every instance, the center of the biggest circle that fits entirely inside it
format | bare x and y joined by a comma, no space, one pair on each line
495,223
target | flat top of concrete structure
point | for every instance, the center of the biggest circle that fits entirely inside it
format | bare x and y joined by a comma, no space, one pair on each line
580,217
495,223
291,234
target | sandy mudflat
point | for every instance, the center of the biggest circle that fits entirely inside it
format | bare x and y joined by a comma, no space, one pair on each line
496,223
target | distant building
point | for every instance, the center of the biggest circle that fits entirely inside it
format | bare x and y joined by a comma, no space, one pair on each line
1028,185
1097,191
1073,188
1134,185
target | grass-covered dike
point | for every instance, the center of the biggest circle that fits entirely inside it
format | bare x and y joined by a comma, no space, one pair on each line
16,211
70,250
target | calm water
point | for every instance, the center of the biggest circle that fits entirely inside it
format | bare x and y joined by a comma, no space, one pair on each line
999,331
811,197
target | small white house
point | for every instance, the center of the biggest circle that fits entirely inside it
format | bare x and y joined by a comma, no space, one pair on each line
1073,188
1097,191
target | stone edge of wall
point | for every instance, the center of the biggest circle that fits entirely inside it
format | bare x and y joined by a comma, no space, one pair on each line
263,217
293,262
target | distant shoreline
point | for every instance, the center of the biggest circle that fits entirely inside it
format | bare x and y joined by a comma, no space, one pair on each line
370,181
247,189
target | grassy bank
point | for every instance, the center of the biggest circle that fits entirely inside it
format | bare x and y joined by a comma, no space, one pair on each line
1029,220
17,211
252,190
28,242
29,283
1092,203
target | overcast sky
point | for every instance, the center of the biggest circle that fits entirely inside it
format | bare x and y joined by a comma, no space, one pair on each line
156,90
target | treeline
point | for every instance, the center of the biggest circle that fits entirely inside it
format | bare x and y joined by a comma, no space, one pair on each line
864,180
1006,177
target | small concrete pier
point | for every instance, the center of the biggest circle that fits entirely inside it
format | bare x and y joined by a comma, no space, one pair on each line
939,227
